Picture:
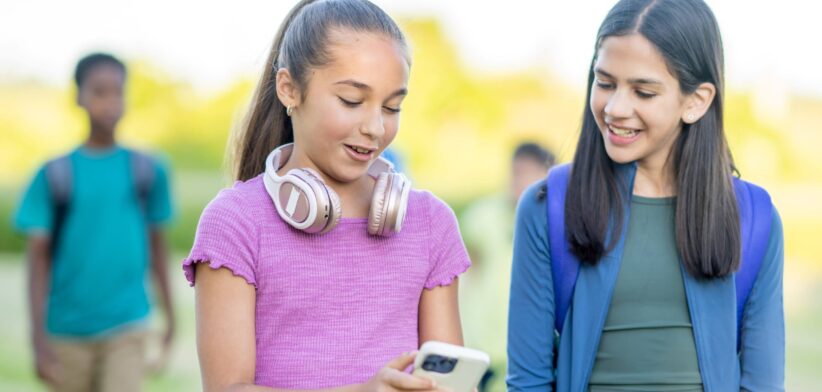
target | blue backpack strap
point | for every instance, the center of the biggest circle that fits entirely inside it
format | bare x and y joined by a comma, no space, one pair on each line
143,173
564,267
59,178
755,217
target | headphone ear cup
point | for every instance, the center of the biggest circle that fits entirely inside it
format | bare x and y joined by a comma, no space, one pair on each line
379,202
334,210
292,199
329,208
400,192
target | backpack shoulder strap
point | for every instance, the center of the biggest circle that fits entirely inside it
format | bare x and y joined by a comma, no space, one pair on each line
59,179
755,217
142,172
564,266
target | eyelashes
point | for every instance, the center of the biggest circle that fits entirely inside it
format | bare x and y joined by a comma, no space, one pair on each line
351,104
603,85
645,95
610,86
354,104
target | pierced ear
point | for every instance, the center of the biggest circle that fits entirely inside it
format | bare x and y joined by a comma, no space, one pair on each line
698,103
287,90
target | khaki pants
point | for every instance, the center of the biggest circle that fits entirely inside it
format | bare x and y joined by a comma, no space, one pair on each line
113,364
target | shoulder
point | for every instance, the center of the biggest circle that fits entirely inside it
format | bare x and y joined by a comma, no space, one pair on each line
57,172
245,202
760,220
149,159
756,205
248,198
432,205
559,175
532,204
750,188
57,163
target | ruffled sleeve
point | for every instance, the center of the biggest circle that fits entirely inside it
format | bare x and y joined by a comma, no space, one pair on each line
227,237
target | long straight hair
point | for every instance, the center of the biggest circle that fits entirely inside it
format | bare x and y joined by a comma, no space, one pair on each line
301,44
687,35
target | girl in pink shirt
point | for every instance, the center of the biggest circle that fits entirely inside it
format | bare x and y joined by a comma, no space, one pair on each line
320,269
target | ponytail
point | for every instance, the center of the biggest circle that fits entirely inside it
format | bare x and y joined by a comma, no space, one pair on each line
267,126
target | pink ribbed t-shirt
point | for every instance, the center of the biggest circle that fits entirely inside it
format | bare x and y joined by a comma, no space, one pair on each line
331,309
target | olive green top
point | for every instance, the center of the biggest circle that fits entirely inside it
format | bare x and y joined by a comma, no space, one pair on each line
647,342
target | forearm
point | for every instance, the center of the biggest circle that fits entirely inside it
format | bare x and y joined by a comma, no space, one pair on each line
159,264
39,277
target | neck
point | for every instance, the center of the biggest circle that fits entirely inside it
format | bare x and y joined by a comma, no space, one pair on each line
655,180
100,138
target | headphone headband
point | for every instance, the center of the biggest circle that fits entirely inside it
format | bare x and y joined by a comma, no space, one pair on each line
304,201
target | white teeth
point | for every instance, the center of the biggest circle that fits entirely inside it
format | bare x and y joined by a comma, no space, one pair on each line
623,132
360,150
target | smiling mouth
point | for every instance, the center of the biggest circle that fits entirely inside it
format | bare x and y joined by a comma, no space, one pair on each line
359,150
361,154
623,132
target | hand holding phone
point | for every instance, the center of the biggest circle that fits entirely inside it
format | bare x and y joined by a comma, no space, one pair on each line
392,377
457,368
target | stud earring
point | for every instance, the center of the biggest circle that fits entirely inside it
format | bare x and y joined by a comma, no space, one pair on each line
289,110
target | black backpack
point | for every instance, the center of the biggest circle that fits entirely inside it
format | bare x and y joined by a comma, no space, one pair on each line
60,179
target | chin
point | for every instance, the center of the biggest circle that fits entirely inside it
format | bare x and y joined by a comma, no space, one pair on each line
347,175
620,157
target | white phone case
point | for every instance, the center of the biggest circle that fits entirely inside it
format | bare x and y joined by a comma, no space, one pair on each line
466,374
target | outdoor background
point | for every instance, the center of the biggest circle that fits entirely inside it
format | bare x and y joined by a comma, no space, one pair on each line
486,75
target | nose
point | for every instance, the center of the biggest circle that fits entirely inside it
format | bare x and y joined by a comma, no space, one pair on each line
619,105
373,125
113,105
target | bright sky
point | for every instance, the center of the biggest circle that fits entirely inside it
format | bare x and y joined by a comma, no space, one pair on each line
211,43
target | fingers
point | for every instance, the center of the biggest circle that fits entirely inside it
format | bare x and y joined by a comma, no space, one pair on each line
404,381
48,370
394,375
403,361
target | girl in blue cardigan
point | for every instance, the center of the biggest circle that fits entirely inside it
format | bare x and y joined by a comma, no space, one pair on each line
655,226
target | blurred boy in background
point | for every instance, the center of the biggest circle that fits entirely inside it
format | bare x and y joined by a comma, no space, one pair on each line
93,219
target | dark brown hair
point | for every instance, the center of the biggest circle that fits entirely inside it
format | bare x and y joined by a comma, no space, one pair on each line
91,61
707,222
300,44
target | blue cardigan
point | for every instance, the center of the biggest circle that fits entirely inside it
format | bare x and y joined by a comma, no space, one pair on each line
759,366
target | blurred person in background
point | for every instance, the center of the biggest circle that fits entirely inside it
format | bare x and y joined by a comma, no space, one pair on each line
487,225
94,221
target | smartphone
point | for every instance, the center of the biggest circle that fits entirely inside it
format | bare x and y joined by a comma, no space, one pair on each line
457,368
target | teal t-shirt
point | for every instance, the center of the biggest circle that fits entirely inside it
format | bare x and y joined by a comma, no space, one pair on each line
101,258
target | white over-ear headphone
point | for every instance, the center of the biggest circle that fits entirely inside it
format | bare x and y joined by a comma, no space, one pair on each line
304,201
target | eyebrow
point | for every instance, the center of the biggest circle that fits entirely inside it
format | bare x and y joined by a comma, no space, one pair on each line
363,86
632,81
